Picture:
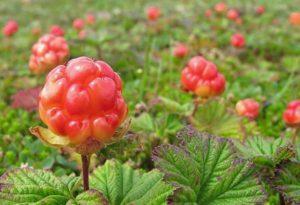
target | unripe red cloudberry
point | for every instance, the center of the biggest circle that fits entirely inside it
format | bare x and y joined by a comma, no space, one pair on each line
220,7
201,77
78,24
153,13
238,40
57,30
291,115
232,14
260,10
90,19
180,50
82,101
295,19
47,53
10,28
248,108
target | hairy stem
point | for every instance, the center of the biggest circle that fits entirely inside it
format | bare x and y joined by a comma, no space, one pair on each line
295,134
85,171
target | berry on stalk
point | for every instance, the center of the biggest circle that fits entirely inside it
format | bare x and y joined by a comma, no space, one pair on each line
295,19
260,10
180,50
153,13
49,52
202,78
233,14
90,19
220,7
57,30
78,24
291,115
248,108
82,102
238,40
10,28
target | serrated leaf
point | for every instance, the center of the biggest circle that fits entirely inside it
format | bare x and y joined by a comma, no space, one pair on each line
265,151
207,171
91,197
120,184
287,182
71,181
28,186
49,138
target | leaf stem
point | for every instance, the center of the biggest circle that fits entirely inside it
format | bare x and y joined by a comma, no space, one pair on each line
85,171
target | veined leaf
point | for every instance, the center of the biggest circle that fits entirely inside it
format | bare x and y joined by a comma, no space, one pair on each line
29,186
264,151
91,197
120,184
206,171
213,117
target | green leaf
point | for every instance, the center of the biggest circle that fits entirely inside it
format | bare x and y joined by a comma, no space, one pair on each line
207,171
265,151
288,182
213,117
91,197
26,186
120,184
175,107
144,122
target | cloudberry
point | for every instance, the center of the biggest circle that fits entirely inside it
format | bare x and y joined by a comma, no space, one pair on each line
248,108
201,77
291,115
47,53
82,101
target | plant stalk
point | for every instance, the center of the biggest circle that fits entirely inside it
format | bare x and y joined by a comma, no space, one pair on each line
85,171
295,134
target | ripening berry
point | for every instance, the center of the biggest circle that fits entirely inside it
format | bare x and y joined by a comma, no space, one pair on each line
78,24
220,7
295,19
260,10
83,99
208,13
201,77
233,14
82,34
57,30
247,108
180,50
47,53
90,19
10,28
238,40
153,13
291,115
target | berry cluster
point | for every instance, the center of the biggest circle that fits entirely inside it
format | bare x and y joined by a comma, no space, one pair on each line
291,116
49,52
248,108
83,100
202,78
10,28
